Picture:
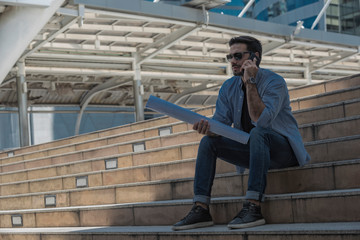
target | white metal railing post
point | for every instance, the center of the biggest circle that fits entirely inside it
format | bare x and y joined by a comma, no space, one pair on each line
138,89
22,105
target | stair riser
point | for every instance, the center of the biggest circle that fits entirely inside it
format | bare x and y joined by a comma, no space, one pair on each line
325,87
323,100
328,113
334,151
330,130
313,210
291,181
307,91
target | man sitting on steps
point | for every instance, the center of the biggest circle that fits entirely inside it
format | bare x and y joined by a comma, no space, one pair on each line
256,101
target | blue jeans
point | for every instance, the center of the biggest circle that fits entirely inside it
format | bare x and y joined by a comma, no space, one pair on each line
265,150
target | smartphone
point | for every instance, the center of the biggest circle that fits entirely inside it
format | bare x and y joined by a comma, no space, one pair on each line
251,57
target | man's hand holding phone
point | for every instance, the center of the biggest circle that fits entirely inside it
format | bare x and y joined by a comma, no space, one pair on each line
249,68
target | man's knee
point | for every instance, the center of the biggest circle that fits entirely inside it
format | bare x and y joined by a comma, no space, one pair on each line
207,141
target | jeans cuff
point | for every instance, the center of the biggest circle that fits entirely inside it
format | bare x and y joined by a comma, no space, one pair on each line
255,196
202,199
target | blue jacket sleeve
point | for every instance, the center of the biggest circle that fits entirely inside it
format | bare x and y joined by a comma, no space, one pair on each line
273,97
222,111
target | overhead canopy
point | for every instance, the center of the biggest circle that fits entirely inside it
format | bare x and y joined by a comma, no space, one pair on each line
180,54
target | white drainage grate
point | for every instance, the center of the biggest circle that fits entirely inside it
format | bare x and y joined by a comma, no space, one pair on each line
165,131
111,163
138,147
50,201
82,182
16,220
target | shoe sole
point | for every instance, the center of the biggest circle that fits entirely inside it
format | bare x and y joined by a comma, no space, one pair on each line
247,225
192,226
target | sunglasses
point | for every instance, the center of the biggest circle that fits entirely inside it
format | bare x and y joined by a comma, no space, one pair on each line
238,56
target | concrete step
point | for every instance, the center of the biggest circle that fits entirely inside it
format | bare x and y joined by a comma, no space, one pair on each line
116,131
68,144
324,176
97,142
321,113
327,112
297,93
329,150
102,142
27,194
337,149
309,207
330,111
310,132
294,93
107,151
330,129
293,231
325,98
327,86
126,160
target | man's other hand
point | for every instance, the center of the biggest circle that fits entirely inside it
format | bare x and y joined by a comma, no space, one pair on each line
203,127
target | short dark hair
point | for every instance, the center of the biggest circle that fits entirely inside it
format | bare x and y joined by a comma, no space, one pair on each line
252,44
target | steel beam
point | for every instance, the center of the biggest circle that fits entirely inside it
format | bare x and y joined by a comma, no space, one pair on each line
167,42
65,24
341,58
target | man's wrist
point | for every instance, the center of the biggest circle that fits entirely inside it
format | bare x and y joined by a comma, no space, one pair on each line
250,81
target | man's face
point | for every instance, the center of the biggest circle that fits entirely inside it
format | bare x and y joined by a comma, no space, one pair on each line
236,64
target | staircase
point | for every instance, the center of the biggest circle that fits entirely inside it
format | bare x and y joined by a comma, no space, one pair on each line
135,181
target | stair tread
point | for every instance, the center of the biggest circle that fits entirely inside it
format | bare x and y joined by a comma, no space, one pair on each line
291,228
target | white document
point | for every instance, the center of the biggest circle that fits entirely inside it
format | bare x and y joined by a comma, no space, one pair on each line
191,117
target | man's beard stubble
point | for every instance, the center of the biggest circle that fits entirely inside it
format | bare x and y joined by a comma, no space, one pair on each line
238,73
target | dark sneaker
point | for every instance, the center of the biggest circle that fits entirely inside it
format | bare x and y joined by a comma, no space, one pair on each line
198,217
249,216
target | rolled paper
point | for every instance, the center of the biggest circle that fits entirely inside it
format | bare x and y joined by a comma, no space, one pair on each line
191,117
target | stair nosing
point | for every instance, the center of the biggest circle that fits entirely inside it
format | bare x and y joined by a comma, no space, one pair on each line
327,228
330,140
